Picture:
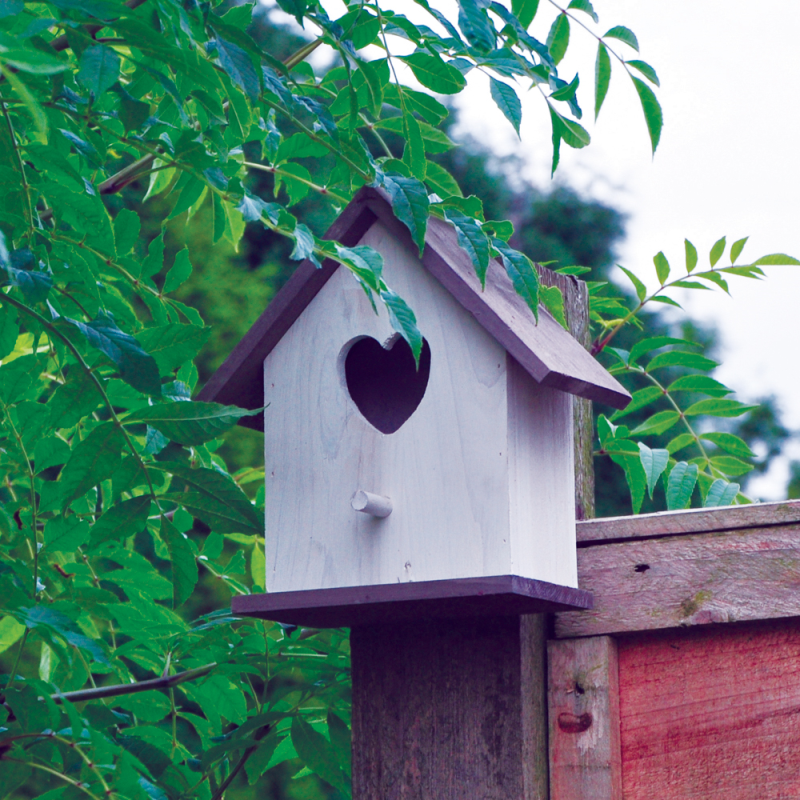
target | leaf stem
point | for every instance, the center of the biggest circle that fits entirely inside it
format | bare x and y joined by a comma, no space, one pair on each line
15,146
323,190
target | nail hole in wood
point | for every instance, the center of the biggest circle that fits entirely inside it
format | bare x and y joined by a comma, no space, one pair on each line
384,381
579,689
574,723
641,567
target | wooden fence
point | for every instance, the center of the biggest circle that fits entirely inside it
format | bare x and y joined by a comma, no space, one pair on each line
683,682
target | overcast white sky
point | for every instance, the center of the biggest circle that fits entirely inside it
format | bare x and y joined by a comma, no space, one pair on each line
728,164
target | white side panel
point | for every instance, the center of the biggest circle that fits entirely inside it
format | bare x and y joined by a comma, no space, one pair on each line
542,480
445,469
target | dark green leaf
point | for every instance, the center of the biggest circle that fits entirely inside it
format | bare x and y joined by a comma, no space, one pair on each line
190,423
75,399
472,239
435,74
364,261
410,205
624,35
126,231
441,181
680,358
92,461
121,521
403,321
476,25
17,377
699,383
654,462
414,151
653,343
640,399
65,534
634,475
136,367
317,754
182,559
522,273
641,289
679,442
237,63
213,498
154,261
716,251
553,300
180,272
680,485
602,77
507,101
652,111
99,69
34,285
730,466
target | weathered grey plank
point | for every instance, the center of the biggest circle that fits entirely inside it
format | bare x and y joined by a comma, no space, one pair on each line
700,520
749,574
583,712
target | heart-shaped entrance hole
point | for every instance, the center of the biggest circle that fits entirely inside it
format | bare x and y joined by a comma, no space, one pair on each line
384,382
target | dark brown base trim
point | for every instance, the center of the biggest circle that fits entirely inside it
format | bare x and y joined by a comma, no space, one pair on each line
350,606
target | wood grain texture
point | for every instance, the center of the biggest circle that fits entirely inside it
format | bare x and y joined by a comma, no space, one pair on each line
363,605
480,476
450,711
695,520
711,714
583,714
679,581
576,311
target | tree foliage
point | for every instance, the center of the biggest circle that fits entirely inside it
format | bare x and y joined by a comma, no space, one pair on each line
116,506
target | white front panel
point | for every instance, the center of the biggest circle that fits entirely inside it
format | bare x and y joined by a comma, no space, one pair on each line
445,470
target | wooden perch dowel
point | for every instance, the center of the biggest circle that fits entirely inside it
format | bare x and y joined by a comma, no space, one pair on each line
368,503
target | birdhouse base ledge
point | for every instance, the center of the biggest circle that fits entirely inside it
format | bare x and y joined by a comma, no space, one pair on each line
351,606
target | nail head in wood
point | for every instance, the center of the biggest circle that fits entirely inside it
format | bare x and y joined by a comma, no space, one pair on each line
374,504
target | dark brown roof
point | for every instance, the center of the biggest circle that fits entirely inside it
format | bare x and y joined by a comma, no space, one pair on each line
546,351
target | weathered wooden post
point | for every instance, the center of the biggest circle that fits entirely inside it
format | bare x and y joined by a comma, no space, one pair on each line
430,509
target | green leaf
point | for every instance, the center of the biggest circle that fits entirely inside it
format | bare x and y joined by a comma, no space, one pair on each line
18,377
657,424
65,534
680,358
237,63
645,69
730,466
441,181
653,343
92,461
721,493
435,74
316,752
654,462
571,132
662,267
691,255
410,205
190,423
476,26
777,259
136,367
99,69
639,399
213,498
680,485
585,6
641,289
522,273
624,35
471,239
85,213
10,632
182,558
75,399
414,152
507,101
679,442
558,37
525,11
652,111
634,475
179,273
602,77
718,407
716,251
154,261
127,225
404,321
699,383
729,442
121,521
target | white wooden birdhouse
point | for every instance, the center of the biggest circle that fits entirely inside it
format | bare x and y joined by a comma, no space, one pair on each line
394,491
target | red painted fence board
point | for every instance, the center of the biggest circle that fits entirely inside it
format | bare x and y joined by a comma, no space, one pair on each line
711,713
